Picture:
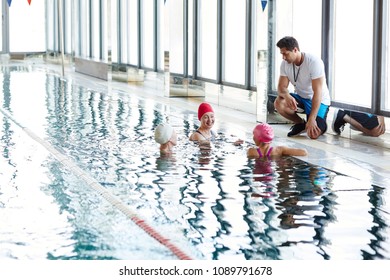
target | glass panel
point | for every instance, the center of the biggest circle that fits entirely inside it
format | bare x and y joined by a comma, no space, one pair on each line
114,31
76,25
176,46
124,31
162,36
353,52
293,19
84,27
190,36
95,11
208,39
104,35
24,36
132,22
51,17
67,26
262,25
261,56
148,33
234,43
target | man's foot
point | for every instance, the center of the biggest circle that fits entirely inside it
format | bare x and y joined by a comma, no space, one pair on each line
338,121
297,129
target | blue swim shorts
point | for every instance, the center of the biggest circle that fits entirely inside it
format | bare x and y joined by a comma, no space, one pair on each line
305,104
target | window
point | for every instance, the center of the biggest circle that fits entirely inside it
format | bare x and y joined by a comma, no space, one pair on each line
207,56
293,19
148,33
353,52
132,32
96,31
27,25
234,41
176,40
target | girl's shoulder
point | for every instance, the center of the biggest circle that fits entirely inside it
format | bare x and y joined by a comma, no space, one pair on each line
252,152
196,136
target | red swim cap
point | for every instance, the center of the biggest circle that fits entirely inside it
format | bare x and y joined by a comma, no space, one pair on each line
263,132
203,109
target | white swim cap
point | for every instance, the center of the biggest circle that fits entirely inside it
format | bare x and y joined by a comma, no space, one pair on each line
163,133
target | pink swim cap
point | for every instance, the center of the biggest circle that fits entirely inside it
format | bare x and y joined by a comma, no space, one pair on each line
263,132
203,109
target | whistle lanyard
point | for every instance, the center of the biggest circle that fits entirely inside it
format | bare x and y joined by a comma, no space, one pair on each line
299,69
296,77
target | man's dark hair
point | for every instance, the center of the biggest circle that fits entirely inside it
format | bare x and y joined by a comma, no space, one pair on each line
288,43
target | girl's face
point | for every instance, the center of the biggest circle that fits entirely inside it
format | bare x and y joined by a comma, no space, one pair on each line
208,120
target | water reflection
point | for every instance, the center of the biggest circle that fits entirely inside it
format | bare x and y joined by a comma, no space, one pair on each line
9,167
301,190
380,228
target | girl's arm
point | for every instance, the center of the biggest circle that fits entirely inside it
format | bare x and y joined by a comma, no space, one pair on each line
287,151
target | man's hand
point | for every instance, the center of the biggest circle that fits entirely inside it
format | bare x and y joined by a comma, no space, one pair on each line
312,129
291,102
379,129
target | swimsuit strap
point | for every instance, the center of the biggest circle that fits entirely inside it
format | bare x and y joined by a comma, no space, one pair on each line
260,153
212,136
268,153
201,134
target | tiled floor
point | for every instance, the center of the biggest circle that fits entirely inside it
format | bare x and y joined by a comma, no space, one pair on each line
362,157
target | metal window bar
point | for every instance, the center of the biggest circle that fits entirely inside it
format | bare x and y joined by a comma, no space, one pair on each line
185,38
220,24
248,45
377,58
195,39
140,44
155,36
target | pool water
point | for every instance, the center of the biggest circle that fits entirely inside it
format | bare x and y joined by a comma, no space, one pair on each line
63,142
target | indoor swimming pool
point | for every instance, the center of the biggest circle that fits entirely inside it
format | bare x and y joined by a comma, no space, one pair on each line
82,178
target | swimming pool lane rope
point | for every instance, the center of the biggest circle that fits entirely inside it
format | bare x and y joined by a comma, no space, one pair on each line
95,185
